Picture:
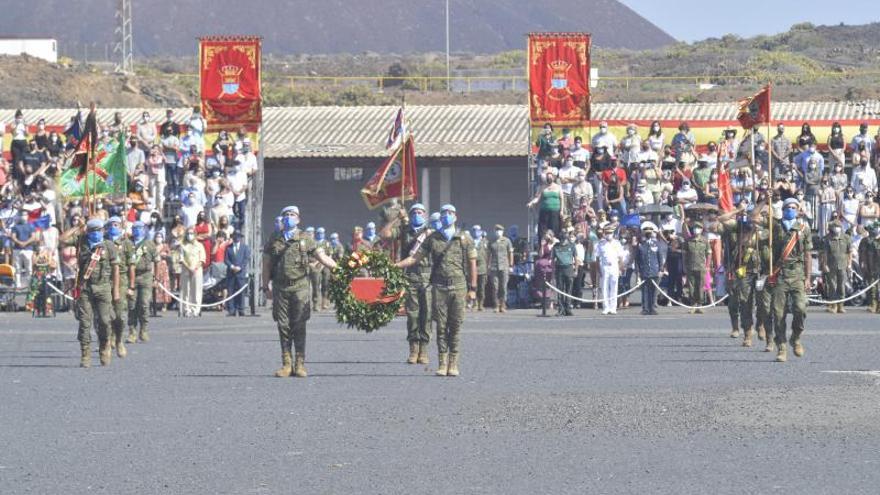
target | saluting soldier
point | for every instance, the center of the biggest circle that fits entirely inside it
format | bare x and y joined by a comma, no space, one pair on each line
836,256
696,256
96,288
286,260
869,259
790,277
126,279
500,261
482,246
145,258
408,232
453,281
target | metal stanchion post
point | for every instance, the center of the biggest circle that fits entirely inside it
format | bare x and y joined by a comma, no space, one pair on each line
252,300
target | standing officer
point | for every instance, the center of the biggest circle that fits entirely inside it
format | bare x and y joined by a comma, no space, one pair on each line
409,232
650,260
237,259
869,258
96,289
500,262
286,260
790,277
696,261
145,257
482,246
564,256
324,275
126,278
837,250
453,280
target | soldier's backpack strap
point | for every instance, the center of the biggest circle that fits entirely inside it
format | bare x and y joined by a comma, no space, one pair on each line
786,252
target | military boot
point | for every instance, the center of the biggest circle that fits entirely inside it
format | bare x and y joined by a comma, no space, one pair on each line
453,364
840,308
872,307
413,353
762,334
85,360
105,353
832,308
113,339
747,339
771,346
121,351
734,334
423,353
699,311
286,365
143,336
502,307
479,305
132,337
441,364
782,354
798,348
299,366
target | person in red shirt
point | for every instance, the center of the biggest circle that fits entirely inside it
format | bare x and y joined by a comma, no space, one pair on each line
219,254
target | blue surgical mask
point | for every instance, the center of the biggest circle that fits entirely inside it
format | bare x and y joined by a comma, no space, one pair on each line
334,242
477,233
448,219
417,220
319,236
114,233
290,222
436,225
789,214
94,237
369,232
137,235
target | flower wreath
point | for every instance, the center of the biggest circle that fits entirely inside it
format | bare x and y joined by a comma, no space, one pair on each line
372,312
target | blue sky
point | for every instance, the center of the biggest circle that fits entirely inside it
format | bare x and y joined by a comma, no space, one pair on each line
693,20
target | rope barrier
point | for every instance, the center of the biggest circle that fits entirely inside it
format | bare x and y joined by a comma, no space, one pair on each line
845,299
59,291
683,305
187,303
591,301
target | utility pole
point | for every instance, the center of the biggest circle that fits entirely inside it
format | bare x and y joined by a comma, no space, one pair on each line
124,46
448,80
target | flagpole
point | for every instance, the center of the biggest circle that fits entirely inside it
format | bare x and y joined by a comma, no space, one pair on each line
769,179
404,137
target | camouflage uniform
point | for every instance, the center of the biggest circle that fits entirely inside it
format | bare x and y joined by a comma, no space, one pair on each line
125,248
144,257
418,300
95,301
745,259
869,258
482,247
788,290
500,250
696,252
836,249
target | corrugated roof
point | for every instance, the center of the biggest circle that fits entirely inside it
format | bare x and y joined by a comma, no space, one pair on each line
451,130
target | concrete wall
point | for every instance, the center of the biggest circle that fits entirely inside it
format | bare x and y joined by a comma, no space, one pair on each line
485,191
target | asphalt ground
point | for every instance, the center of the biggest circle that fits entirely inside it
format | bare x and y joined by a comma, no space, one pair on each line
587,404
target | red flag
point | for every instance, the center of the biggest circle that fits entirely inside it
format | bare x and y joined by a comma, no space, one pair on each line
80,158
393,180
755,110
725,193
559,78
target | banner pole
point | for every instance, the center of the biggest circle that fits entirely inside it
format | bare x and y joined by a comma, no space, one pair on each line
770,179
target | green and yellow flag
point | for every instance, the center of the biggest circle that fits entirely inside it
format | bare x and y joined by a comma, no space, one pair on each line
107,176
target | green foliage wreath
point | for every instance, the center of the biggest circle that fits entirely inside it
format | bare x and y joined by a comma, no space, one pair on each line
359,314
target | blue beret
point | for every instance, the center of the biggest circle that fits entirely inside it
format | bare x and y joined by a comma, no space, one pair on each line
288,209
321,230
95,224
435,216
310,229
417,206
791,201
448,207
371,225
114,219
138,225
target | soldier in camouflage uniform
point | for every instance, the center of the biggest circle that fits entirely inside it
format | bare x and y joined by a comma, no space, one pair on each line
792,245
323,278
145,259
315,269
96,289
286,260
453,280
482,247
745,256
409,232
836,259
696,255
501,258
869,260
125,249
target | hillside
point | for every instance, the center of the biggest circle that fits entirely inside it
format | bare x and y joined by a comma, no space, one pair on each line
830,63
167,27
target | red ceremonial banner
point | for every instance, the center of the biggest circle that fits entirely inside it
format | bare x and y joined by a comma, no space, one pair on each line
396,178
755,110
559,78
229,73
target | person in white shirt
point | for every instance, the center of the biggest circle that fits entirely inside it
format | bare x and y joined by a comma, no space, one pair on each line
190,210
864,178
238,183
862,138
568,174
655,137
671,223
605,139
643,193
247,158
134,156
579,154
146,133
196,128
687,195
610,255
630,146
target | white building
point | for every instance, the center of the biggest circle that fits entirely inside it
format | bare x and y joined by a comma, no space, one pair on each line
44,48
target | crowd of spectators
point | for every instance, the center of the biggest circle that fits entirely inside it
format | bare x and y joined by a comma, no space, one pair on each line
176,182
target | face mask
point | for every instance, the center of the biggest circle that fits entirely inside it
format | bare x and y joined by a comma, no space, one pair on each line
477,234
630,132
137,235
114,233
190,237
812,149
499,234
319,236
789,213
603,130
94,237
655,128
698,231
334,242
417,220
290,222
448,220
836,230
436,225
